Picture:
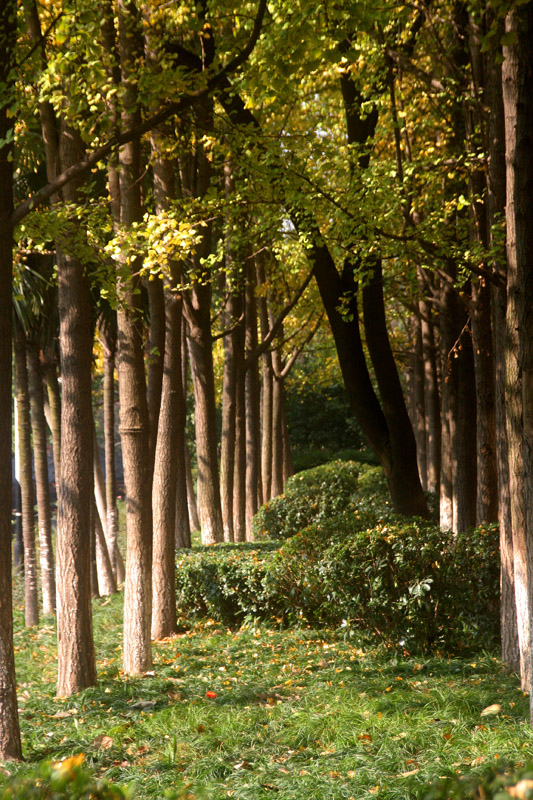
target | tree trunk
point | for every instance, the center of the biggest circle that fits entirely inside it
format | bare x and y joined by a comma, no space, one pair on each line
22,399
402,477
464,452
229,387
134,420
419,403
252,408
76,657
155,355
10,747
109,342
518,105
167,461
41,480
54,423
239,477
197,310
169,450
432,399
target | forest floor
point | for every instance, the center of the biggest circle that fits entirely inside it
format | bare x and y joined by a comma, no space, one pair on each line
257,713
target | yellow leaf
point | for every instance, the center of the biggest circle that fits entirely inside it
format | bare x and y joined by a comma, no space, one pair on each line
522,789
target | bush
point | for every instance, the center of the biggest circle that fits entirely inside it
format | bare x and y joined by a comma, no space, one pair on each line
227,582
310,496
405,582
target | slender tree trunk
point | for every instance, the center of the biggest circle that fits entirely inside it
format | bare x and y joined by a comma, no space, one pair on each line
194,521
239,478
432,399
277,427
267,387
252,408
134,420
155,355
41,480
465,478
54,404
403,478
516,74
106,579
164,621
419,403
288,466
22,399
197,311
109,344
94,568
76,657
10,747
169,450
487,472
449,389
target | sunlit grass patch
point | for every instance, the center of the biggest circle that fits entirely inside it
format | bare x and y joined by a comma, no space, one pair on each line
258,712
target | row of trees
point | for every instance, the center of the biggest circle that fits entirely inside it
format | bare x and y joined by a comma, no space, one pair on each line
209,162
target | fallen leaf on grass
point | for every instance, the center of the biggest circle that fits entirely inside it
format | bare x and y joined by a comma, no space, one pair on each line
522,789
242,765
410,772
364,737
64,714
495,708
103,742
144,704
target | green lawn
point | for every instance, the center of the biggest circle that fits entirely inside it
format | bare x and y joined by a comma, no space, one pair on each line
297,714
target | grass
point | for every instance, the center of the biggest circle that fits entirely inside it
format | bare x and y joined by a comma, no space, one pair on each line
297,714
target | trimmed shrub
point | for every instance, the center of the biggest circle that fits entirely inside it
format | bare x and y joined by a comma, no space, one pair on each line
226,582
311,496
404,582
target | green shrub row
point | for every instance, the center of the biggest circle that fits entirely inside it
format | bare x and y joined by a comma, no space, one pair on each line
310,496
405,582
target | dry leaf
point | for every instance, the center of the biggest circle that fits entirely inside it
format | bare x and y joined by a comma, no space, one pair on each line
521,789
64,714
364,737
242,765
143,704
410,772
495,708
103,742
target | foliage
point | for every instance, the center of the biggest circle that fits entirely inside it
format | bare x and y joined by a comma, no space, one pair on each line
227,583
310,496
299,713
404,581
320,416
365,569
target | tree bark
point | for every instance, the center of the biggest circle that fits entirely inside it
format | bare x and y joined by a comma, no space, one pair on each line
134,420
516,74
76,657
252,408
432,399
42,483
22,399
